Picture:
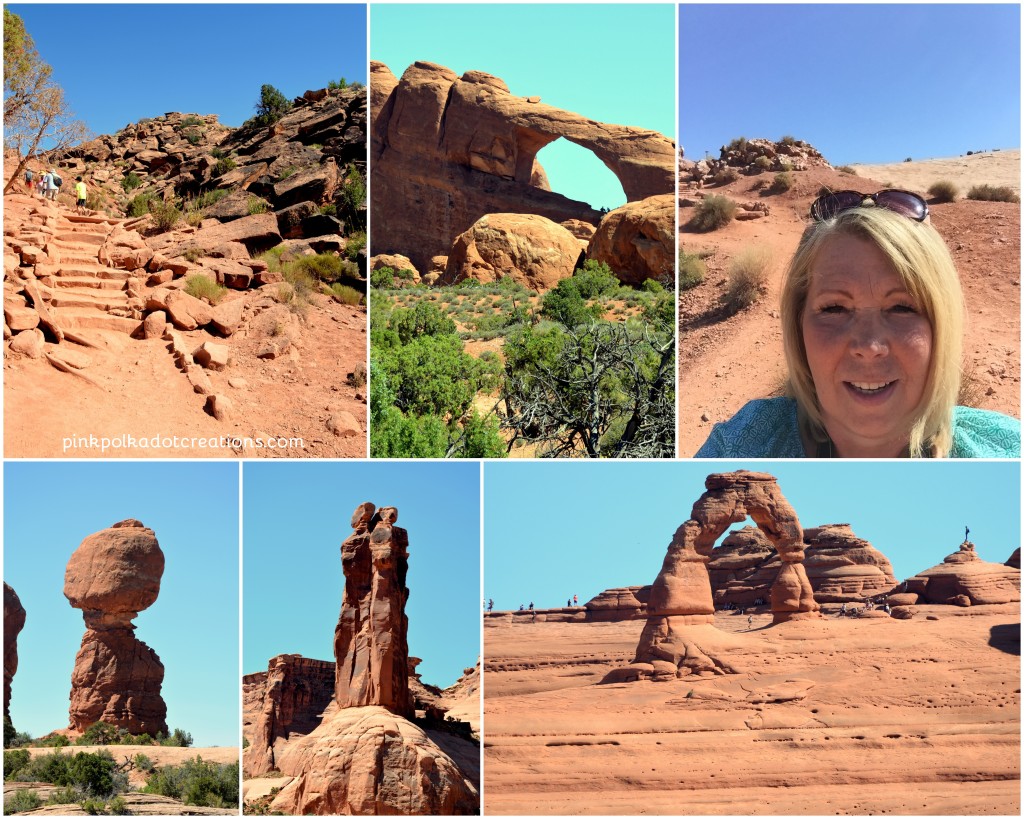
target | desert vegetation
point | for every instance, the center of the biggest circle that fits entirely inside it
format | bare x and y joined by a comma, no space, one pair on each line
584,370
943,191
993,193
712,213
748,278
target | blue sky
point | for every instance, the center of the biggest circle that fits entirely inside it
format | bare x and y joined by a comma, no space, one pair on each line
119,63
49,508
609,62
557,529
862,83
295,519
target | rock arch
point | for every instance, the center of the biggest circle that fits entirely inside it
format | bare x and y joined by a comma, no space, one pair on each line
447,150
681,595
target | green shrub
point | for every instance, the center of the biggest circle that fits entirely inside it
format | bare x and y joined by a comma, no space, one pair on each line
782,182
217,153
763,163
692,270
272,105
990,193
383,278
100,733
337,85
273,258
143,762
256,205
289,171
209,198
195,782
725,176
322,266
14,761
64,796
738,144
21,801
193,253
193,136
329,209
118,807
165,214
353,192
93,807
712,213
224,165
139,204
356,242
131,181
943,191
346,294
748,274
788,140
190,121
92,772
201,286
177,739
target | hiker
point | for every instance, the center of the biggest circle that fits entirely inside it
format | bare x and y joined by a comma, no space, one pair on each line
80,192
531,605
51,185
875,374
490,604
568,603
520,606
29,174
750,621
842,610
575,600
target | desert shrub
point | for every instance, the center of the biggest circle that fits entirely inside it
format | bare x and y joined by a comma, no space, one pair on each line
847,169
353,192
788,140
12,737
356,242
131,181
725,176
192,136
567,306
785,165
101,733
14,761
195,782
93,807
143,762
345,294
763,163
594,279
118,807
329,209
748,274
273,258
782,182
943,191
337,84
64,796
202,286
95,200
322,266
92,772
189,122
21,801
165,214
139,204
256,205
692,270
303,285
383,278
990,193
178,739
272,105
738,144
193,253
224,164
218,153
712,213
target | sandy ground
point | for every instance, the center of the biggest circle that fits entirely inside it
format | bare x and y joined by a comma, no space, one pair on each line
827,717
726,361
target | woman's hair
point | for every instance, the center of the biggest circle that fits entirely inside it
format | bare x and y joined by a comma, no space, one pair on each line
922,261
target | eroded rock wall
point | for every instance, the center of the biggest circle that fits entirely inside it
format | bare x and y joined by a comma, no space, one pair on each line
14,622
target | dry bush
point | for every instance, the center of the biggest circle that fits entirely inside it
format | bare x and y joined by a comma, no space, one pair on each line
943,191
748,278
725,176
201,286
712,213
692,270
990,193
783,182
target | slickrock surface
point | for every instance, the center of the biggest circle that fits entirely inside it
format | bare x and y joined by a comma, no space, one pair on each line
964,579
822,717
112,576
14,622
463,147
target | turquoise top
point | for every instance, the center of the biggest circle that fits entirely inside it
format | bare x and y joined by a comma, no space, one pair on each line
767,428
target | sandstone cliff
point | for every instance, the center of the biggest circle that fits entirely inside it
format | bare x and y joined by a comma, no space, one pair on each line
14,622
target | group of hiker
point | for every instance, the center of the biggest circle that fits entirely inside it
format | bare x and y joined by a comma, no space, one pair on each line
572,601
46,184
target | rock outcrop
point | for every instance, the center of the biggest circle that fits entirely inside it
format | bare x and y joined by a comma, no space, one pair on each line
285,701
14,622
681,595
844,568
112,576
637,240
447,150
612,605
370,644
1014,559
964,579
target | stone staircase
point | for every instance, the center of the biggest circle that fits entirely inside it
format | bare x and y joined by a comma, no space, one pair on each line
84,293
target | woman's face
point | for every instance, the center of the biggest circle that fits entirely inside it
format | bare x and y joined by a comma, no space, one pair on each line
868,347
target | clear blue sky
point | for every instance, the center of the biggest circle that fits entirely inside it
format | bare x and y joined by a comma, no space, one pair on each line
552,530
862,83
295,519
49,508
119,63
610,62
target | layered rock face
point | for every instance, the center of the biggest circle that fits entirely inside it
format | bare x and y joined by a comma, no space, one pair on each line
447,150
285,701
626,603
844,568
112,576
14,622
681,594
370,644
637,239
964,579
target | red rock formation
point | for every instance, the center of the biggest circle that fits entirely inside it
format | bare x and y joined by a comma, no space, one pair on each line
637,240
611,605
14,622
447,150
283,702
844,568
681,594
370,642
1014,560
112,576
964,579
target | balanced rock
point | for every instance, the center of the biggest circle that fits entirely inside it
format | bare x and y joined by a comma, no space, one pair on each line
532,250
465,147
964,579
14,622
112,576
637,241
370,641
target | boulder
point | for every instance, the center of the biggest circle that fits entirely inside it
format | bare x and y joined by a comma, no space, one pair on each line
220,407
289,220
30,343
186,312
396,262
344,424
213,356
257,233
227,316
19,317
964,579
154,325
613,605
532,250
637,240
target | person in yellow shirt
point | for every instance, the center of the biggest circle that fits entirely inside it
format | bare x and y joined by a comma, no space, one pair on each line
81,193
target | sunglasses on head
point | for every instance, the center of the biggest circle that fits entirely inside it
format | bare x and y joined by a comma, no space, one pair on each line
904,203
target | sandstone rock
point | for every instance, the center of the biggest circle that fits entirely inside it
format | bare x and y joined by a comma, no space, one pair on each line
213,356
289,220
903,612
112,576
187,312
220,407
125,249
580,229
19,317
1014,559
370,642
964,579
344,424
230,273
155,324
901,599
612,605
532,250
14,622
198,378
843,567
396,262
466,147
637,240
30,343
257,233
227,316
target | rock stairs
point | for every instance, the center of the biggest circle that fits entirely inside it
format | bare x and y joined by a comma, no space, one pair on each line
84,293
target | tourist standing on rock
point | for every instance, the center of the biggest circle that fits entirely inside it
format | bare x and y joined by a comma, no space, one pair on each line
575,600
80,192
872,328
490,604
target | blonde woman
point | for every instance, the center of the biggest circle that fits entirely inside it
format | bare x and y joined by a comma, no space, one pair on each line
872,324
